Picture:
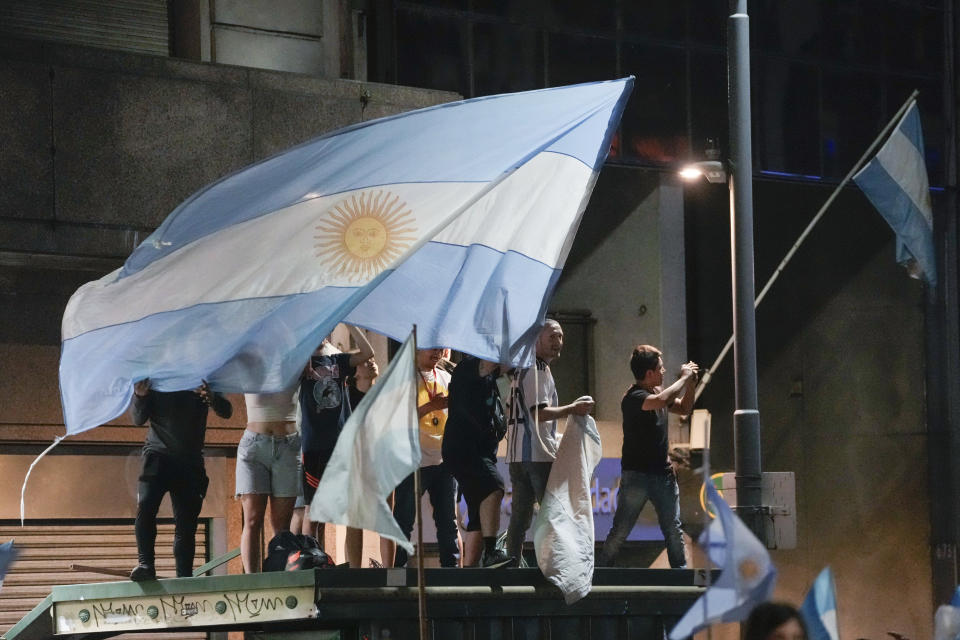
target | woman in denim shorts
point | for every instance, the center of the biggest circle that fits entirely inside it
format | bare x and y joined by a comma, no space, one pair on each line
268,466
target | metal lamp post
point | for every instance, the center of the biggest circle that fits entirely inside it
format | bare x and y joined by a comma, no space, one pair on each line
746,415
738,174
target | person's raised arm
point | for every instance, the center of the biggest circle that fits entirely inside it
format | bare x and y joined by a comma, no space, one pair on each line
141,402
684,404
364,350
667,397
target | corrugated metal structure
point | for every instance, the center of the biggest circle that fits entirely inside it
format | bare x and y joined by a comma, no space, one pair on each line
47,551
141,26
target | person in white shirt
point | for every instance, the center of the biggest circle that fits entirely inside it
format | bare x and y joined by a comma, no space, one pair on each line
532,432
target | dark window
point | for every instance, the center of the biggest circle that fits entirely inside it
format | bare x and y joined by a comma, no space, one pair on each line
443,4
788,28
660,19
654,122
574,59
526,12
708,22
708,99
597,15
851,119
786,117
506,58
914,39
431,52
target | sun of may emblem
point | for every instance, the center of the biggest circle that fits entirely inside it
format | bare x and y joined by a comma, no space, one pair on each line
364,233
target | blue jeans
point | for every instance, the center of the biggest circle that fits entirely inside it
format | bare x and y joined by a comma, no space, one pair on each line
635,488
441,486
529,480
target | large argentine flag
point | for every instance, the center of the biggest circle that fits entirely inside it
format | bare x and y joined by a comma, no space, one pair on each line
895,181
456,218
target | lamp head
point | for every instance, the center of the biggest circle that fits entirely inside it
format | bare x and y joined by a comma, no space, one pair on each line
712,170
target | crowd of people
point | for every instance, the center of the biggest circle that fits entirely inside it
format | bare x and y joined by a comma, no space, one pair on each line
290,436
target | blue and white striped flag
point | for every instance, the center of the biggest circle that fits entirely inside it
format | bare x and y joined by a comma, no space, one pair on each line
895,181
8,553
819,609
457,218
747,574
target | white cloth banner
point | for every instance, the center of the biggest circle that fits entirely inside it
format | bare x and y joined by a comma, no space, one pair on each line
563,531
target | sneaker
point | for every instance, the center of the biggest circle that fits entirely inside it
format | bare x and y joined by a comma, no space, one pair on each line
143,572
495,560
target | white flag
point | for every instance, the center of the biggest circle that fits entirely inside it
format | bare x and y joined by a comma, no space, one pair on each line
563,532
378,447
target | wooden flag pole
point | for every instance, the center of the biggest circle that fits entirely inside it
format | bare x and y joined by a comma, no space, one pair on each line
421,583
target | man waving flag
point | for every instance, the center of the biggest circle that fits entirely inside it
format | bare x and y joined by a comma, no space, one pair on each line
240,283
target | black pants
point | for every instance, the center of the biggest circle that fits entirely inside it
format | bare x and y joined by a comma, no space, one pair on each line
441,486
187,485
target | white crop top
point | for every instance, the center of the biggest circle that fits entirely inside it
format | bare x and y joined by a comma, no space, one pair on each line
272,407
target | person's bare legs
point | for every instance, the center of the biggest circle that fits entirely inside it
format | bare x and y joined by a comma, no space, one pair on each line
490,514
353,547
254,506
296,520
388,548
472,546
281,514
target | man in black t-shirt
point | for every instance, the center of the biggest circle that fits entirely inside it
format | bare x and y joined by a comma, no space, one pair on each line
172,462
646,471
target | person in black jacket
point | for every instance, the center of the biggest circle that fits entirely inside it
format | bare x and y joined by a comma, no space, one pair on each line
172,462
475,426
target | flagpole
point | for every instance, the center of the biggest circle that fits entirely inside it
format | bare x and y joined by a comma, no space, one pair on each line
421,587
803,236
421,584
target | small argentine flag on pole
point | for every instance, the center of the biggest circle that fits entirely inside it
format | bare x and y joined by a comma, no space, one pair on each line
895,181
819,609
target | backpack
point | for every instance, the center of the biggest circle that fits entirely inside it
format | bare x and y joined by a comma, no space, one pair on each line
288,551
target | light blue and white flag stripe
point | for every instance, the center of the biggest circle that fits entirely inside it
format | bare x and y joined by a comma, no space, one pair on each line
456,218
379,447
819,609
747,575
896,182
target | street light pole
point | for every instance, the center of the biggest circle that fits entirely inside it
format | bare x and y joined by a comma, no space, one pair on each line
746,415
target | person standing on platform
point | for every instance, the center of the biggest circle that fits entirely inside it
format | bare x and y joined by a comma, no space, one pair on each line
172,462
324,409
435,478
268,468
646,469
532,432
475,426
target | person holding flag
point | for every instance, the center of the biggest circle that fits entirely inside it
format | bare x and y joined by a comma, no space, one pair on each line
475,426
435,478
647,472
172,463
324,409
